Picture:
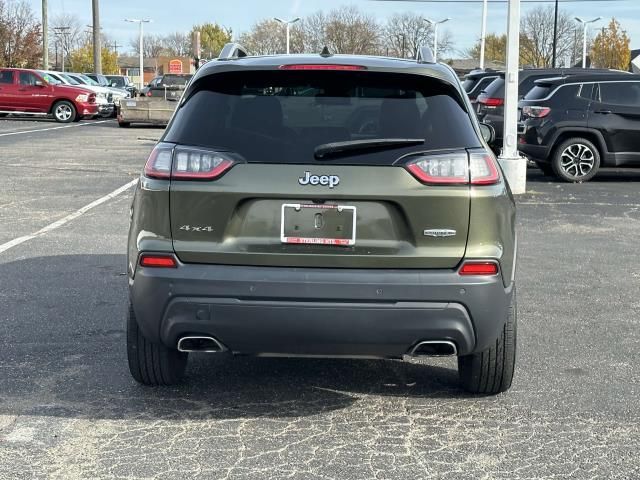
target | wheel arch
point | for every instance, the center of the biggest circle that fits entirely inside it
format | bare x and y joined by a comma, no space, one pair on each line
61,99
592,135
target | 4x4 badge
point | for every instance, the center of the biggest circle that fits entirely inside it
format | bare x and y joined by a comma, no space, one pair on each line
439,232
324,180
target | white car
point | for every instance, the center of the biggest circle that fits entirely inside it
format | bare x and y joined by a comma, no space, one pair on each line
104,100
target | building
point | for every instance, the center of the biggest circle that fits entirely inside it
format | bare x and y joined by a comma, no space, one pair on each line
130,66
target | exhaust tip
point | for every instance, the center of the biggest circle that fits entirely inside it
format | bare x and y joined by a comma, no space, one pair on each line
434,348
200,344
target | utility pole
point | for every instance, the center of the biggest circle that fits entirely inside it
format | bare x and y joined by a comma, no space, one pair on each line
115,47
97,47
555,36
62,33
45,35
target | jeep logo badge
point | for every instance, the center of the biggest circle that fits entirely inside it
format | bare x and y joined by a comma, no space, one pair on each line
324,180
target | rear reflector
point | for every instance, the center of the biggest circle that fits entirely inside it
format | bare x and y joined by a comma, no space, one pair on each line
158,261
479,268
321,67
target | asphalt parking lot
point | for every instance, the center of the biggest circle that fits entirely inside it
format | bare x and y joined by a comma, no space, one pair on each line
69,408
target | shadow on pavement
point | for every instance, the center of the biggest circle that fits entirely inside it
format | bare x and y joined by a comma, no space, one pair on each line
62,353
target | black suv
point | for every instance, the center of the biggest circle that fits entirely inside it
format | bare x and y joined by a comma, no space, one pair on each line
490,103
572,126
475,82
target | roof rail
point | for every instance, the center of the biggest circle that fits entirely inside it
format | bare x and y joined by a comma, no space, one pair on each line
232,50
425,55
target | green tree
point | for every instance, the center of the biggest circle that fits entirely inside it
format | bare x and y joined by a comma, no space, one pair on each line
81,60
212,38
611,47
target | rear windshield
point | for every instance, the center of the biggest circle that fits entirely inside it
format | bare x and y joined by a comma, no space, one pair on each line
468,84
281,117
482,84
538,92
496,88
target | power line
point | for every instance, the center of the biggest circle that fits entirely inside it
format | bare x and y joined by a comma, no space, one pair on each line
503,1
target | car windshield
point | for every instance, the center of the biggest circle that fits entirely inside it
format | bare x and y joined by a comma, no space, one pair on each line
49,79
89,80
71,79
119,81
282,117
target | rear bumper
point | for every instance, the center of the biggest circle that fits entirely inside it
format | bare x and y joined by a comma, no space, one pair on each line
321,312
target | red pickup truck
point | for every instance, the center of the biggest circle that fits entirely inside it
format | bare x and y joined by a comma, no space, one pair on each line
30,92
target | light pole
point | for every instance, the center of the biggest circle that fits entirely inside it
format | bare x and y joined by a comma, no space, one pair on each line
140,46
435,24
584,38
483,33
288,24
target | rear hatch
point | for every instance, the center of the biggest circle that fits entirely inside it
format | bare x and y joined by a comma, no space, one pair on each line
310,168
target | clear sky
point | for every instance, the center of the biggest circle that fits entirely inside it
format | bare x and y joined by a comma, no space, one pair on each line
239,15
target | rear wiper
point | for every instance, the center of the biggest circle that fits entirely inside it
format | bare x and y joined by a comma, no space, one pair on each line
335,148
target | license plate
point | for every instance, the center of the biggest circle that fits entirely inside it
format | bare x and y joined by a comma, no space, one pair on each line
131,104
318,224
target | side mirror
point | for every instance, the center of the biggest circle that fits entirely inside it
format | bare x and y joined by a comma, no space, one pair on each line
488,132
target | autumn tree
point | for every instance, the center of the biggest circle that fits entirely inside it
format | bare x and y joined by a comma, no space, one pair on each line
212,38
611,48
81,60
20,36
495,48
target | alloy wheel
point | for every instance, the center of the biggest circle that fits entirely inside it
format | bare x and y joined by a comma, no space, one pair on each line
577,160
63,112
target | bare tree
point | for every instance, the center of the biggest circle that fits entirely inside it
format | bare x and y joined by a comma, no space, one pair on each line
405,33
268,37
178,44
314,31
153,45
536,46
349,30
20,36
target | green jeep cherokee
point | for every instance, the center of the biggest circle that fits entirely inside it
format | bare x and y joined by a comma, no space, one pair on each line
323,205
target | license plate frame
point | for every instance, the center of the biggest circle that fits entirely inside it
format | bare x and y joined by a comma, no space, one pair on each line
287,238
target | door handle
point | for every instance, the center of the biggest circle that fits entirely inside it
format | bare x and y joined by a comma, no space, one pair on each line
603,112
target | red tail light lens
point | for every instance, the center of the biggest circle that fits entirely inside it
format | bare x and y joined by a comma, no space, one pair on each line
158,261
535,112
441,169
491,102
483,169
183,163
479,268
321,67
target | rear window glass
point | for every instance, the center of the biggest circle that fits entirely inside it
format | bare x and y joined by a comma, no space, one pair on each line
482,84
468,84
538,92
6,76
281,117
496,88
174,80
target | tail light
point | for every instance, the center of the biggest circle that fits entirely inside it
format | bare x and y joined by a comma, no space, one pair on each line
535,112
158,261
479,268
455,168
491,101
183,163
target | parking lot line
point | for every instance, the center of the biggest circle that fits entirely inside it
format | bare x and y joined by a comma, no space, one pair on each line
52,226
53,128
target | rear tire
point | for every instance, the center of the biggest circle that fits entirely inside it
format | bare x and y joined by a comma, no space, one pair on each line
576,160
64,112
491,371
546,168
151,363
124,124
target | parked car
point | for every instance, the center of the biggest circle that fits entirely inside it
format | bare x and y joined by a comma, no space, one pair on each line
105,106
114,96
171,80
122,81
475,82
572,126
31,92
490,103
103,81
367,218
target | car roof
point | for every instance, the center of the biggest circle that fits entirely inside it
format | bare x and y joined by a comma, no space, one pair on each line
371,63
602,77
482,74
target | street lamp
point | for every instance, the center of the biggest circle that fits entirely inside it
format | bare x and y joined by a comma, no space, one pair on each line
435,24
288,24
584,38
141,45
